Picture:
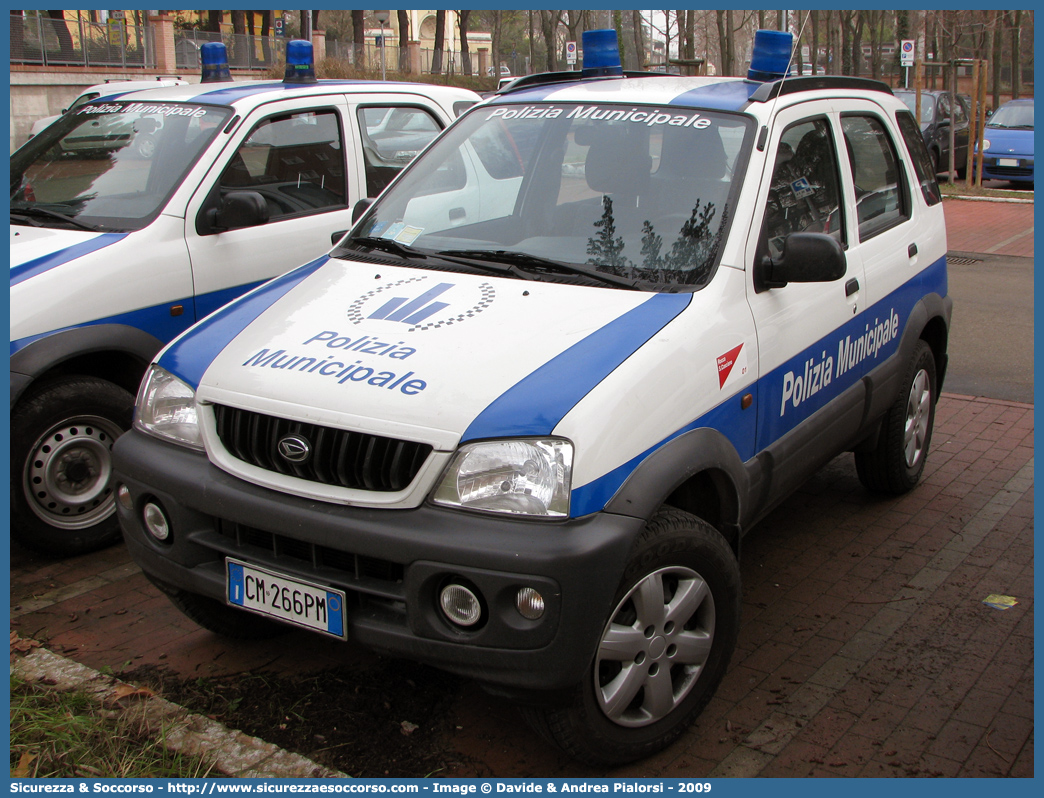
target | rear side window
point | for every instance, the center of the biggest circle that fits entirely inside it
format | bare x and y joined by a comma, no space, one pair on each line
922,162
881,197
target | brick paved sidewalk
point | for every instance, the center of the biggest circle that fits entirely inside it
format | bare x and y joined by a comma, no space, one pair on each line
865,648
996,228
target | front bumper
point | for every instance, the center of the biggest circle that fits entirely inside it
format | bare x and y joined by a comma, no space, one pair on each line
391,563
1020,171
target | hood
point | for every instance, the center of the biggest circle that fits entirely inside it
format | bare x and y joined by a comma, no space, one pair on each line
438,357
35,250
1009,142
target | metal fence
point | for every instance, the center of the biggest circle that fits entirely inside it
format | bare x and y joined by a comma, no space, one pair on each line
244,51
41,40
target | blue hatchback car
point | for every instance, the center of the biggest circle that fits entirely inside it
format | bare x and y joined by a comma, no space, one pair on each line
1007,150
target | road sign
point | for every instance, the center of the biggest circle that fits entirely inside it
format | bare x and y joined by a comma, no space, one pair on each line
906,53
570,52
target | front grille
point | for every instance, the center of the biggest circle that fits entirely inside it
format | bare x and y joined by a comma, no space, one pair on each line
274,548
337,457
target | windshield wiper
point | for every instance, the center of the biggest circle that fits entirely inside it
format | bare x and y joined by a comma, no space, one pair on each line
388,245
534,263
37,212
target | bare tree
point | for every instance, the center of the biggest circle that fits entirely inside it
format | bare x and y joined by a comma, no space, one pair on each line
639,38
266,32
239,47
814,18
549,22
61,30
404,41
440,41
359,37
1016,55
498,33
465,54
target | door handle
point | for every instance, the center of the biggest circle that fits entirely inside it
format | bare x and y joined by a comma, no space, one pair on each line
851,287
911,250
456,213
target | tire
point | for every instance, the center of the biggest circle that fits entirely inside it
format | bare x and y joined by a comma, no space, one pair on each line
895,465
219,618
657,664
145,145
62,500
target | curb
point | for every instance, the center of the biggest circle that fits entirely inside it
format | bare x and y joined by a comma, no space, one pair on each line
232,752
1011,200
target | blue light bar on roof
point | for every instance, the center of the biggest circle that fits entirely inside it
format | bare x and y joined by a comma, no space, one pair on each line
300,62
601,54
771,55
214,58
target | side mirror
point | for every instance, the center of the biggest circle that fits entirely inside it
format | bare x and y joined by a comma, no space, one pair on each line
239,209
807,258
336,237
360,208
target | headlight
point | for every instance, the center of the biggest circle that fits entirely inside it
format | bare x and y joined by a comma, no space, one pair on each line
985,144
526,476
166,408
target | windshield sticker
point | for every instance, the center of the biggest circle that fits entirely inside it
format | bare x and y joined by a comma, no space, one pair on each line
802,188
192,111
408,234
440,305
600,113
398,231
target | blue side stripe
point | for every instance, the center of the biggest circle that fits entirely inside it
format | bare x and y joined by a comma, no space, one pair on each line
45,263
728,418
155,320
736,424
191,355
726,96
537,403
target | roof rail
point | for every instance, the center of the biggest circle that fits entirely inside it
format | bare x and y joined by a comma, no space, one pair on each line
544,78
778,88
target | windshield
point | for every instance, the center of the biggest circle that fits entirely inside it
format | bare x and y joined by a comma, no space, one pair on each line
109,166
1013,116
927,104
619,192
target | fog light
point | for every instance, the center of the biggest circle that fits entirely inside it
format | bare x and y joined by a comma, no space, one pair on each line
156,521
123,494
529,603
460,605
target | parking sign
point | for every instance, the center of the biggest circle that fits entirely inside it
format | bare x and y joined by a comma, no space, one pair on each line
570,52
906,53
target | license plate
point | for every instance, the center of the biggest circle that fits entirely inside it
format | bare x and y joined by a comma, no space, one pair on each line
300,603
1007,162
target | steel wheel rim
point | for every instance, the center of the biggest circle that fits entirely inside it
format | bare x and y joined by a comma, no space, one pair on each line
918,411
654,647
67,477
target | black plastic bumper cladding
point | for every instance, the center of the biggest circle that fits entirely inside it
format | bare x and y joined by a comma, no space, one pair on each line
392,564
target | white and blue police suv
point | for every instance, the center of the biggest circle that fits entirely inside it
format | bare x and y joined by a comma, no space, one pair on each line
516,423
137,214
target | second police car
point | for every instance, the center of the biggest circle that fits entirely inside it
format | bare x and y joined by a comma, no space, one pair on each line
516,424
136,214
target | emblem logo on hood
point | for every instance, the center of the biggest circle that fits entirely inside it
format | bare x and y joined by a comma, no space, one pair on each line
429,305
294,448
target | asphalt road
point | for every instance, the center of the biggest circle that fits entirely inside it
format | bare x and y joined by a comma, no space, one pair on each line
991,336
